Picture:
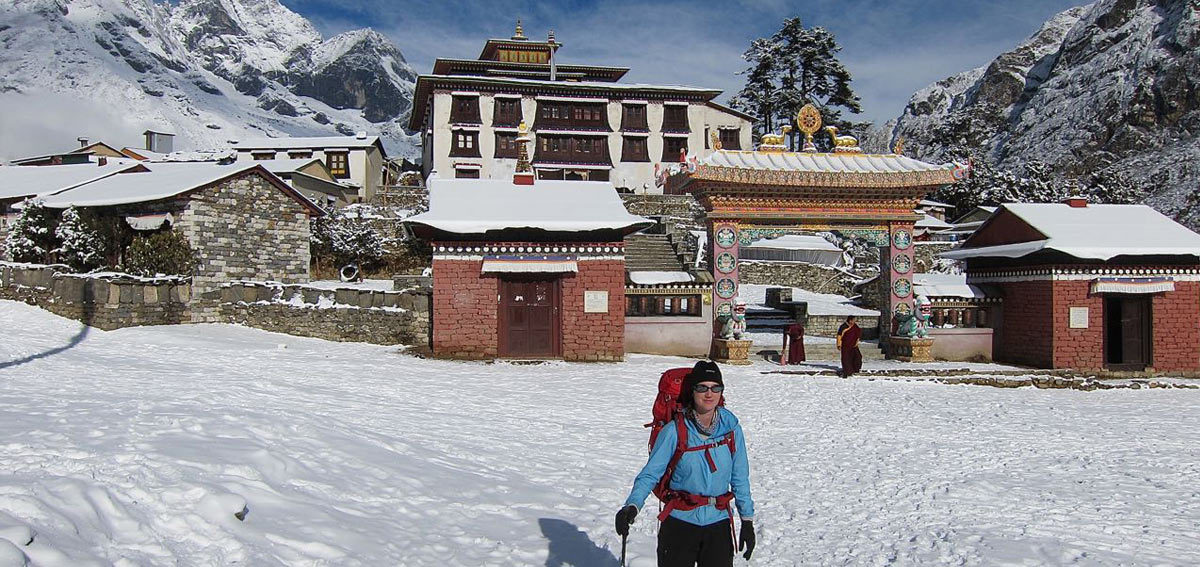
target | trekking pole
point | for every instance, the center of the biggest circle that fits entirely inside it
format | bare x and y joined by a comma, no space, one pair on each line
623,538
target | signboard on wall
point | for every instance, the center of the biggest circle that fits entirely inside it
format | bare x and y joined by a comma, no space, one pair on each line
595,302
1078,318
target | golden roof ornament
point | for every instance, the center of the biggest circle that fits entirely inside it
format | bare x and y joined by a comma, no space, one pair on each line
809,122
898,149
1073,189
520,33
843,144
523,139
716,140
774,142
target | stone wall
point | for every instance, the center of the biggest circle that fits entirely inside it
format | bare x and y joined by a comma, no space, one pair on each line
809,277
245,228
1176,319
827,326
594,336
346,315
926,253
677,206
104,302
1026,335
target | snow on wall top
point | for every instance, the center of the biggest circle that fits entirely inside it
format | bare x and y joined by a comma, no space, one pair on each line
1094,232
945,285
469,206
822,162
29,180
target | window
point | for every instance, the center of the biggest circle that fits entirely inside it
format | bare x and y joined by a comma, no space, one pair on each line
465,110
466,144
466,173
731,138
506,144
507,112
572,115
338,164
303,154
633,148
662,306
633,117
572,149
675,118
263,156
672,146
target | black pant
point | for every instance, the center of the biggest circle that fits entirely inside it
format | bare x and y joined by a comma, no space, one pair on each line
681,544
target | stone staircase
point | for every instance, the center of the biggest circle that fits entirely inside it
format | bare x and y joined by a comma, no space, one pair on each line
651,253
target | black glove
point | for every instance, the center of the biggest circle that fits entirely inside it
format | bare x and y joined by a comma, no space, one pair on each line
746,542
625,519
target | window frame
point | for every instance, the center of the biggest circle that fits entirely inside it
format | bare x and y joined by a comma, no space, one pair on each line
731,138
338,172
464,109
464,143
506,112
633,118
506,146
629,148
673,156
675,118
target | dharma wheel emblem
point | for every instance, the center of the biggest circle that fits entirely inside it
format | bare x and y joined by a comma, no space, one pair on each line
902,287
726,237
726,288
902,263
903,309
726,262
902,239
724,310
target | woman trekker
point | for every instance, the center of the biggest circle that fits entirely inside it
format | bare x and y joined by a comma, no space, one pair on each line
697,520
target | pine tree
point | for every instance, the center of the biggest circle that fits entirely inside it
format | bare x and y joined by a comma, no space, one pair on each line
82,246
810,72
347,240
31,236
759,94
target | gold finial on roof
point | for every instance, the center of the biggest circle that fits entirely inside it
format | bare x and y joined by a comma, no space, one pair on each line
520,33
774,142
523,164
1073,188
716,140
843,144
809,122
899,147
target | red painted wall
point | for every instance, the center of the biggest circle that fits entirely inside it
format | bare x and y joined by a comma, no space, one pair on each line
1078,348
1176,320
466,312
1037,326
1028,324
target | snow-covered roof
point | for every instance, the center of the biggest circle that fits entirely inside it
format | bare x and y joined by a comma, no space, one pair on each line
945,285
795,242
29,180
821,162
295,143
932,203
470,206
576,85
287,165
931,222
1094,232
161,181
660,277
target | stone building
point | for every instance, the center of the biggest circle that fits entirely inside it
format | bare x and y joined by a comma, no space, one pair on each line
1089,287
527,271
242,222
587,125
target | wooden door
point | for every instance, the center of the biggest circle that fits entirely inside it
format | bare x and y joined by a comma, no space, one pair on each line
1127,325
529,318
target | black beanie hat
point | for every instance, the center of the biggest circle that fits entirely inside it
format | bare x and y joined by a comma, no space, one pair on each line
703,371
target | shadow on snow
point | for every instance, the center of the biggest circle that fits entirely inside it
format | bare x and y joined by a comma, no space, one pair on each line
570,546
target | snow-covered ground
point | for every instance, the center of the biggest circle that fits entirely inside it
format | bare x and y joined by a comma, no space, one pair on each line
138,446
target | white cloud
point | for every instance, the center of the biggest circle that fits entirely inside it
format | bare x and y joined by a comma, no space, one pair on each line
25,130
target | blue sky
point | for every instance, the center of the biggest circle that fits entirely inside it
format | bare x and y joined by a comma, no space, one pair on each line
891,48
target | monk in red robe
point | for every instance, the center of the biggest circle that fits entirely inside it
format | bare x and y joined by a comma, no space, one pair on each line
794,337
847,341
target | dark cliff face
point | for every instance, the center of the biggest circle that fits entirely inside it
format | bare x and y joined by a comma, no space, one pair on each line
1110,86
361,77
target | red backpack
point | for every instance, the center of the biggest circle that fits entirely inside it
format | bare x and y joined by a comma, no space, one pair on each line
668,409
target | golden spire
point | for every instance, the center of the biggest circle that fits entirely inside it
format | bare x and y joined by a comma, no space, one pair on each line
899,148
809,122
523,165
520,33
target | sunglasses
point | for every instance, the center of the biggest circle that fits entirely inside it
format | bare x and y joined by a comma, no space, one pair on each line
701,388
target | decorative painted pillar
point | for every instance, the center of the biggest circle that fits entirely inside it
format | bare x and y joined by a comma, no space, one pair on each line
723,239
899,266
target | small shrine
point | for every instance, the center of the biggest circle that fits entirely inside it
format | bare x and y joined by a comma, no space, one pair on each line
770,192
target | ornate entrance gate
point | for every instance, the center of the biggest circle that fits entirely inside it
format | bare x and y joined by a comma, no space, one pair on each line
748,195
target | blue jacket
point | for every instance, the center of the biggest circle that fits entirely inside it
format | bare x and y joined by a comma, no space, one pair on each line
693,475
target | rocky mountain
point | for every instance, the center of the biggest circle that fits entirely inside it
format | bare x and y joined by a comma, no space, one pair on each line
1112,87
209,71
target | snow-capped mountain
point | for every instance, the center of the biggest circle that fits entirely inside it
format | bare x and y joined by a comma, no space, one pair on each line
209,71
1111,86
